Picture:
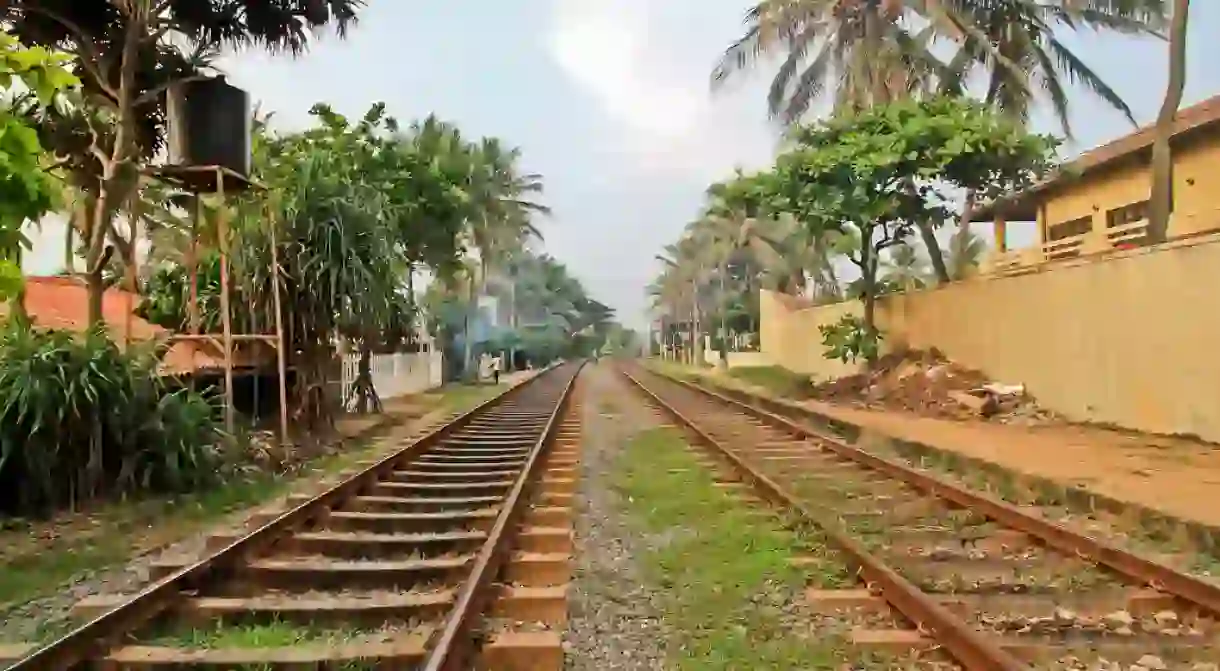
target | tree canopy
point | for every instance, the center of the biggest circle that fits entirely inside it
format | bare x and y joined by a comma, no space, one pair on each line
856,185
33,77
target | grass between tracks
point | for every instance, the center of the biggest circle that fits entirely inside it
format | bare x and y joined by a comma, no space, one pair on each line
39,558
730,595
275,634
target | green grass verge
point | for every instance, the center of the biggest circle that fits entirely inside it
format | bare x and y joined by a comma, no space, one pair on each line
723,568
77,545
775,379
462,397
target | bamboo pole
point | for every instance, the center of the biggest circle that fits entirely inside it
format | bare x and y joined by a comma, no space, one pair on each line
225,318
280,355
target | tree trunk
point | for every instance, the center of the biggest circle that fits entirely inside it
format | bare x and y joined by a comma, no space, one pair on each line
363,389
724,322
751,282
696,344
468,350
935,255
868,277
95,289
870,321
469,371
118,176
1160,202
512,319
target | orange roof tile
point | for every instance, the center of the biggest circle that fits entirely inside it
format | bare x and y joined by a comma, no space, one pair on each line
62,303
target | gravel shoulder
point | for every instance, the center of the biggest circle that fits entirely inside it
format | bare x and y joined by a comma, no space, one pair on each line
615,618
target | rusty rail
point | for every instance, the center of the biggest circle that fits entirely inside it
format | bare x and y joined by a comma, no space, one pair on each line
1196,591
96,637
454,647
967,646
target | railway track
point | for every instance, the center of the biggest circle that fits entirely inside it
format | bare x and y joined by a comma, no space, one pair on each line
451,553
968,578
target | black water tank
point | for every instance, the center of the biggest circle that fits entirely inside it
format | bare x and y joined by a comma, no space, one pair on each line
209,124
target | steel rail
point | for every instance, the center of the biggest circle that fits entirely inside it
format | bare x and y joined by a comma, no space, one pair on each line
96,637
1196,591
970,648
454,647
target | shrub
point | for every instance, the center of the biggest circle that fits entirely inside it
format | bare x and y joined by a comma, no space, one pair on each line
849,339
81,419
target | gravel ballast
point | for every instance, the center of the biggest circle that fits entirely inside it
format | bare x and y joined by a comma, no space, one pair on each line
614,617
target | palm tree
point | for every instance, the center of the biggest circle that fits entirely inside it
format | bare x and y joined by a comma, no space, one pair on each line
685,275
802,263
719,236
904,268
1016,46
500,222
966,249
1161,200
870,52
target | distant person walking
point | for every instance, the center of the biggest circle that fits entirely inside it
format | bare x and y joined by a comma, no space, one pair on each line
495,369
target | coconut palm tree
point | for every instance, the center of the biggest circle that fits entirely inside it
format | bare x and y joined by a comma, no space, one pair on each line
904,268
500,221
966,250
868,51
686,271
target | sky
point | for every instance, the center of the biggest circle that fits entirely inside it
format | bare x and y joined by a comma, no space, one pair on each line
610,101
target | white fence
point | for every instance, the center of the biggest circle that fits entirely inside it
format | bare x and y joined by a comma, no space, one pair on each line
396,374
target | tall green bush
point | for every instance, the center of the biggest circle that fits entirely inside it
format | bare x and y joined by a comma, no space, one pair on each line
80,419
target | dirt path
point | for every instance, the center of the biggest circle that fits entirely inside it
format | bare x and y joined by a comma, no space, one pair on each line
1175,476
614,617
1178,477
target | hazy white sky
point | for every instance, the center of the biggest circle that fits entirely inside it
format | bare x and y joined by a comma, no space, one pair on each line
610,101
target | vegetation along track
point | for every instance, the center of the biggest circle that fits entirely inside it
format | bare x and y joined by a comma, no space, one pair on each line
449,554
990,585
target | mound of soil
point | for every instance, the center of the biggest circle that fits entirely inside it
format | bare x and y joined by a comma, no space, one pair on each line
928,383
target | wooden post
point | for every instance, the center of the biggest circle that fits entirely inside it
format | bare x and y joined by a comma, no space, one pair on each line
280,355
192,266
225,318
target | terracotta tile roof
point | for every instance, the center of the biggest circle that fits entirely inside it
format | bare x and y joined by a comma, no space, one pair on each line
62,303
1201,116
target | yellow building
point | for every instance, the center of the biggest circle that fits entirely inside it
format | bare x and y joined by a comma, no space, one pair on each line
1098,202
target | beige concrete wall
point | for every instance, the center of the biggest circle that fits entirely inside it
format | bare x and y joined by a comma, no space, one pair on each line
1129,340
790,338
737,359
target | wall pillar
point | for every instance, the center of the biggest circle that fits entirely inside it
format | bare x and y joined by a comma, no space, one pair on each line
1000,229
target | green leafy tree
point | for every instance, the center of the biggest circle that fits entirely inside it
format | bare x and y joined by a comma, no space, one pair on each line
128,53
871,175
28,75
866,52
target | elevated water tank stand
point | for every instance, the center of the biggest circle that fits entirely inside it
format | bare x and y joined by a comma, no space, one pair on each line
221,181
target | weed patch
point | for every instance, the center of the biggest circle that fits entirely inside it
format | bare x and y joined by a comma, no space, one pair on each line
730,591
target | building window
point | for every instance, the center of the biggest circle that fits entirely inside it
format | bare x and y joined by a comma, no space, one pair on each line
1127,214
1122,216
1069,229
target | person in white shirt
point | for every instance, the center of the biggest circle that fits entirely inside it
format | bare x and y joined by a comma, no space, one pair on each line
495,369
